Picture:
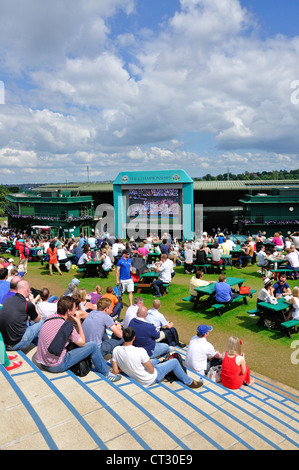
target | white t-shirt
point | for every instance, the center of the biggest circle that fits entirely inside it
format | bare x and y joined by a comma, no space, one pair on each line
61,254
198,351
293,259
295,313
264,296
130,314
46,308
165,270
106,263
262,258
130,360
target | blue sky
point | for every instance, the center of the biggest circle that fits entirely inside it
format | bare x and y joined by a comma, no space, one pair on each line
203,85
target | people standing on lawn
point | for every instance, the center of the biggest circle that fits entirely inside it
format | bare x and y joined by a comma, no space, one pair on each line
53,261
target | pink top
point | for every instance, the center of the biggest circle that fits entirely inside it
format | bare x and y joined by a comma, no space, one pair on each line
143,251
277,241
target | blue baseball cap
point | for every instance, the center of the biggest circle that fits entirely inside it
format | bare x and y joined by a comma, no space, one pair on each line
203,329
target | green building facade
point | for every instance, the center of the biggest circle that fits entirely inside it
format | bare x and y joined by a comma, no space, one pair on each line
64,214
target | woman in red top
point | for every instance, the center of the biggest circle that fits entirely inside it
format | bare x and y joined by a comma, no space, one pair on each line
52,252
235,371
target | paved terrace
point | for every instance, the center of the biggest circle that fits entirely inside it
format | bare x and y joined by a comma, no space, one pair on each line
44,411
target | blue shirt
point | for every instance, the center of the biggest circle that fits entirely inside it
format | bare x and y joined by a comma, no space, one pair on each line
7,295
223,292
4,288
280,289
124,266
165,249
145,335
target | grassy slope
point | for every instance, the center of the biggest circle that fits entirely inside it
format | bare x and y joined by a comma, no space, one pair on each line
267,351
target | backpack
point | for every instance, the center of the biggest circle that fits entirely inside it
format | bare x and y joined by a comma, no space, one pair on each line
117,291
171,377
26,251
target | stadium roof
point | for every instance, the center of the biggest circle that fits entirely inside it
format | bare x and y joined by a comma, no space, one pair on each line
243,185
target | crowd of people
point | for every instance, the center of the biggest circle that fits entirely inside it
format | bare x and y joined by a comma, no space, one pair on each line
80,324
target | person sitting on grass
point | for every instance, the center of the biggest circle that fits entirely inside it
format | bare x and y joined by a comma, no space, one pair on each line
135,363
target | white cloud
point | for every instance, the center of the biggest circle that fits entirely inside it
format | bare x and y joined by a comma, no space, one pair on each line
130,99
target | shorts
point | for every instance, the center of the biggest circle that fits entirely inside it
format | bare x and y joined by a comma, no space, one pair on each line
127,285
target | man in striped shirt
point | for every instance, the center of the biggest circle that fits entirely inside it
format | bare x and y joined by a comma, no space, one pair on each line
66,310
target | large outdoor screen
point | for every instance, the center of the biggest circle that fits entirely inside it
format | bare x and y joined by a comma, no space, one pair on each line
155,202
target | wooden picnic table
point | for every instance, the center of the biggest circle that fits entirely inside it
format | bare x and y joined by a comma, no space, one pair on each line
210,289
146,280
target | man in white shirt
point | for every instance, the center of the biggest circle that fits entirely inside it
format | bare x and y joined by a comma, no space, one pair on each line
164,267
230,243
293,258
46,308
136,363
132,311
201,354
165,327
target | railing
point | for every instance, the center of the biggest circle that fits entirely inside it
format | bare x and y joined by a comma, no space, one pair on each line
269,220
64,217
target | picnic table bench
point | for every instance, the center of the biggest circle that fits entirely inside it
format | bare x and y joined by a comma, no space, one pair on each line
219,307
274,316
290,325
146,280
93,268
210,289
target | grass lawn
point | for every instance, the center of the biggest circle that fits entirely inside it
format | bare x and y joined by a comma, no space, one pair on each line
267,352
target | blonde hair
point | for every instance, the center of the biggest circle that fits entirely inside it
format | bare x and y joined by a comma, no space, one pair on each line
233,346
295,291
82,294
99,289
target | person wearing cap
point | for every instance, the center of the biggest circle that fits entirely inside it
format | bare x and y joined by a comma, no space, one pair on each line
201,354
72,287
266,294
123,275
11,265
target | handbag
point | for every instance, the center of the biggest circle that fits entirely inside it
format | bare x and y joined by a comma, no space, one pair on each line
214,373
245,290
82,368
171,377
